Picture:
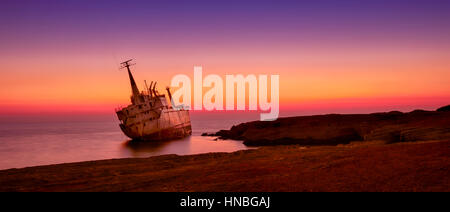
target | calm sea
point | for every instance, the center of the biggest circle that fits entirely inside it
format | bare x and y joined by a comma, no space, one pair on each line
51,139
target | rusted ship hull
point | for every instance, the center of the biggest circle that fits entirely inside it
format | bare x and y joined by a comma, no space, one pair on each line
149,117
171,124
162,135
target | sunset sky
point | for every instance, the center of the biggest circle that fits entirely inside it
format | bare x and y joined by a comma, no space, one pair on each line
332,56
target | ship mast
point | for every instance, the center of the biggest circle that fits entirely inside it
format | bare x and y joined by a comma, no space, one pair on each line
134,88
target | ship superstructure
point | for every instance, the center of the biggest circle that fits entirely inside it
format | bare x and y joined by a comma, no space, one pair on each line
149,117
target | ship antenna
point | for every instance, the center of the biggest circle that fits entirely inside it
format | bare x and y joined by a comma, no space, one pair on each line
127,64
146,86
153,89
134,88
168,92
150,89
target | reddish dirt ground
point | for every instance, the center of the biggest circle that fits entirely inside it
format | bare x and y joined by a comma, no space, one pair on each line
369,166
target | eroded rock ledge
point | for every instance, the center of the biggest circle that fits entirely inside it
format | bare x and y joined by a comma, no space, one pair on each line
336,129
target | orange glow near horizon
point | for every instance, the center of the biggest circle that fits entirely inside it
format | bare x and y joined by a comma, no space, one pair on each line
61,84
329,59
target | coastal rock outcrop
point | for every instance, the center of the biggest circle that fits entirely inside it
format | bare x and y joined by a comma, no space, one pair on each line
444,109
334,129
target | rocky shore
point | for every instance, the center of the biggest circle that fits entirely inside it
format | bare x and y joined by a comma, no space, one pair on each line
362,166
374,152
336,129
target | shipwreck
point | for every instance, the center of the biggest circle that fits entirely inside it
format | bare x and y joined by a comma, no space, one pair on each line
149,117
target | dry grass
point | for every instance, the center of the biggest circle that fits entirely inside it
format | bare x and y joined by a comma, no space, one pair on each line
374,166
